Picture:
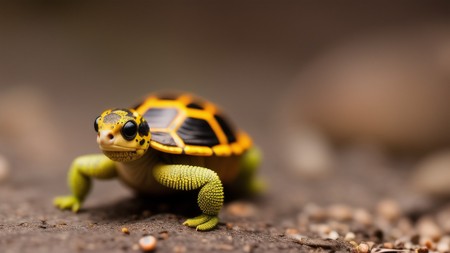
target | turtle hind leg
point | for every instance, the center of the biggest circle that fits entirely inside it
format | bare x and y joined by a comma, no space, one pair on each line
186,177
247,183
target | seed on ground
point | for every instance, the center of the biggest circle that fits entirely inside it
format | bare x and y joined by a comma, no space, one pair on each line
147,243
125,231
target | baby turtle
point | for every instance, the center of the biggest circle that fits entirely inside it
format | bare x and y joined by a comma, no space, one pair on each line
166,143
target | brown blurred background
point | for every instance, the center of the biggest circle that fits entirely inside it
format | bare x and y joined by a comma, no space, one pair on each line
307,79
349,101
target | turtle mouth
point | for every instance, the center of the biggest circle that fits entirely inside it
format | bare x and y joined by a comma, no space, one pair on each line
116,148
120,153
122,156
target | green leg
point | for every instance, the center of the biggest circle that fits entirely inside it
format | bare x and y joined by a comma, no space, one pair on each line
82,170
247,182
210,197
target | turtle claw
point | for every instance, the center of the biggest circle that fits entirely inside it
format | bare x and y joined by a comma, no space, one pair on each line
67,202
203,222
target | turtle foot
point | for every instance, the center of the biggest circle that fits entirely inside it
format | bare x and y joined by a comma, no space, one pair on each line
203,222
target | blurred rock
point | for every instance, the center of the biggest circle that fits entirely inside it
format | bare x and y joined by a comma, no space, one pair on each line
432,175
391,89
427,228
4,169
314,212
308,152
443,219
389,210
340,212
362,216
29,126
241,209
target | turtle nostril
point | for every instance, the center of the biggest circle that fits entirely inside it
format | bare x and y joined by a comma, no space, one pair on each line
110,136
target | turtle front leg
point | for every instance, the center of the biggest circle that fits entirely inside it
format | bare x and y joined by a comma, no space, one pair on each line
186,177
82,170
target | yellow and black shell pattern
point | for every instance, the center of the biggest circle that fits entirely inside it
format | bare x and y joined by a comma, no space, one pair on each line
185,124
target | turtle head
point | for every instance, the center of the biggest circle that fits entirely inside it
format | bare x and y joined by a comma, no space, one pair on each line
122,134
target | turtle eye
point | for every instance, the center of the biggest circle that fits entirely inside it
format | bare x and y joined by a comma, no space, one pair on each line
143,128
129,130
96,123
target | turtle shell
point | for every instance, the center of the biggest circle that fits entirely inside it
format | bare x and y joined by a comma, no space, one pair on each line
185,124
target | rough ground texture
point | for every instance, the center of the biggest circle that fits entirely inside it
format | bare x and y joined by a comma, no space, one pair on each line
272,222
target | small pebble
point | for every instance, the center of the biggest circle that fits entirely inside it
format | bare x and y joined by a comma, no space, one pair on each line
389,209
333,235
362,216
164,235
363,248
443,246
400,242
321,229
350,236
241,209
179,249
408,245
125,231
405,225
342,227
443,219
291,231
432,175
147,243
388,245
428,243
354,244
340,212
297,237
315,212
428,228
135,247
247,248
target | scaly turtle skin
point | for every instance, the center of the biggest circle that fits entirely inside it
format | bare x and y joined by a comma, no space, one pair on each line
167,143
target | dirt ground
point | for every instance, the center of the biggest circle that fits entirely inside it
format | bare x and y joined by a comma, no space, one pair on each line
264,224
32,224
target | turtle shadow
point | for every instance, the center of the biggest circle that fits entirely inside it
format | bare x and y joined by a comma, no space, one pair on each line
139,207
